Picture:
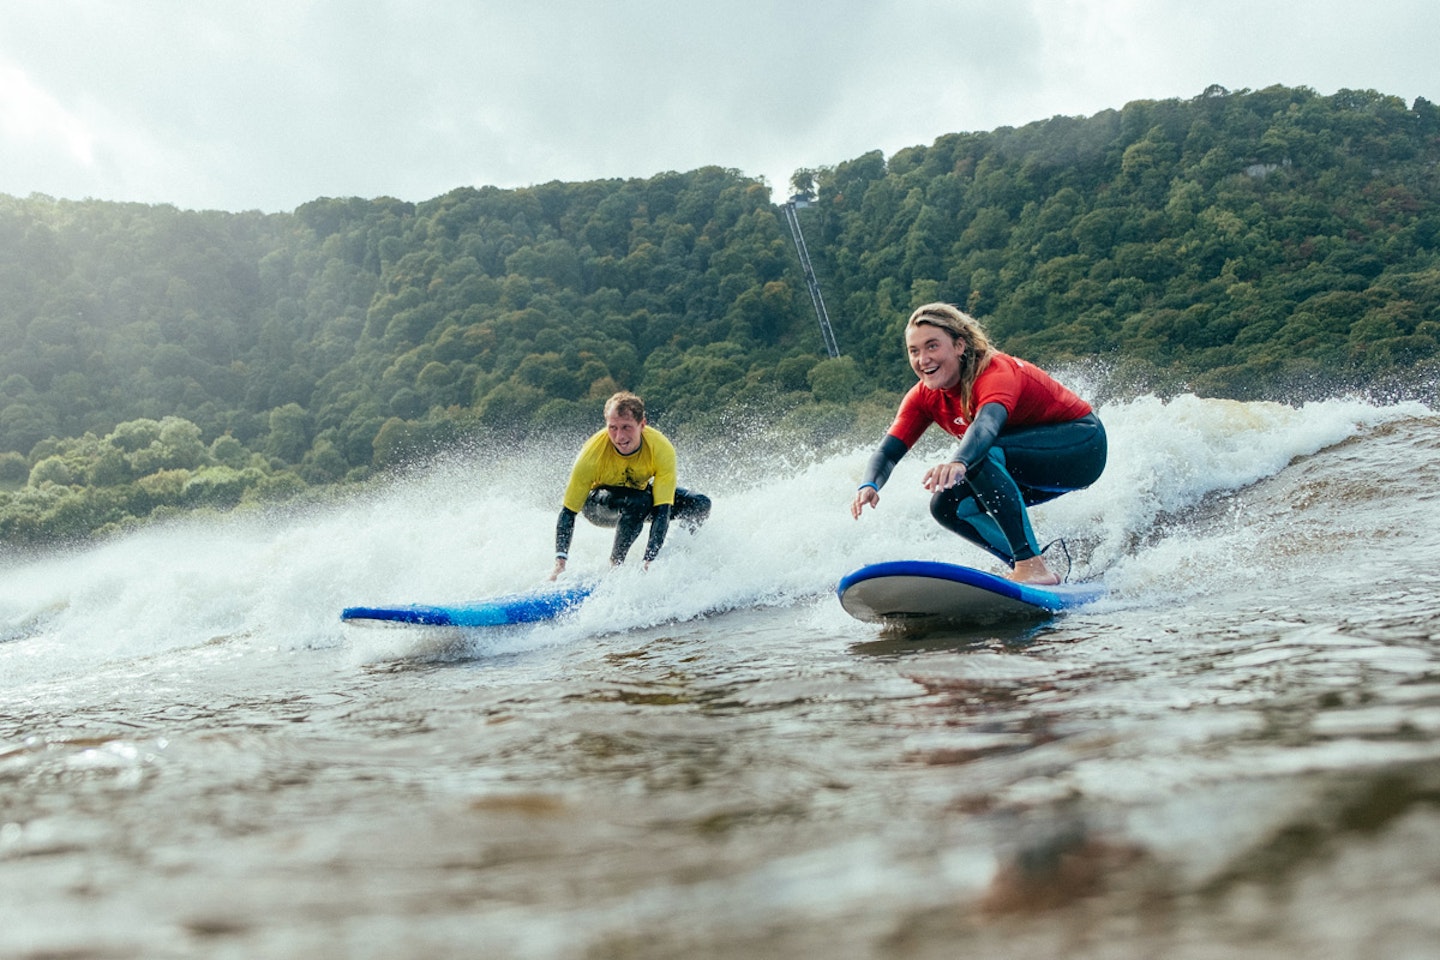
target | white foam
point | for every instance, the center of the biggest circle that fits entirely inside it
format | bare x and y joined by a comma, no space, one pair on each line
484,525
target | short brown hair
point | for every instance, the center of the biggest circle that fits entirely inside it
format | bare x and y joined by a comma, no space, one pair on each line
626,404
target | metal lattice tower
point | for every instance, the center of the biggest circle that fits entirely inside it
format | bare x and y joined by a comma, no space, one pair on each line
826,333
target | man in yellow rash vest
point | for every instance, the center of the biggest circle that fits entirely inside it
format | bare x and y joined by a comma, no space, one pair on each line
624,475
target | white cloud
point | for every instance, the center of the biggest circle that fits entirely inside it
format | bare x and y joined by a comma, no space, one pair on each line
34,123
270,103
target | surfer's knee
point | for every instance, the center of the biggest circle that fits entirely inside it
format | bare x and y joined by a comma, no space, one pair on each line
609,506
691,509
947,504
597,510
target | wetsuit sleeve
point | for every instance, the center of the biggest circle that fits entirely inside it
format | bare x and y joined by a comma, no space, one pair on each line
659,523
883,460
980,435
564,531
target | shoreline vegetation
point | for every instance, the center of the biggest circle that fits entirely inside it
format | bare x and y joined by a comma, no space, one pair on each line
1271,244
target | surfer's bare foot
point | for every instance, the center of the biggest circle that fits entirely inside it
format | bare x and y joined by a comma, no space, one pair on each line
1033,571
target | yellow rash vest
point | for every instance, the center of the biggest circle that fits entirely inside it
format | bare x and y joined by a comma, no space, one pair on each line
599,464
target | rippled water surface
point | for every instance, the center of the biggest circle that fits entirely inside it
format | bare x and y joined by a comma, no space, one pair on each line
1237,754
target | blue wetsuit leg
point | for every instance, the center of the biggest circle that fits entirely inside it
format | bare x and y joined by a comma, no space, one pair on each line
1023,467
988,509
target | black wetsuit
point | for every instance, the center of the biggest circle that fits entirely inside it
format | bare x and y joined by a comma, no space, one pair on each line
626,509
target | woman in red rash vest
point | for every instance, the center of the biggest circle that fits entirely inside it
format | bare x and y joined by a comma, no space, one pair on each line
1024,438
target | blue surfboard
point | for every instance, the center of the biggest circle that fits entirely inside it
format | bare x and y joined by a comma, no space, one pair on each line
918,590
532,606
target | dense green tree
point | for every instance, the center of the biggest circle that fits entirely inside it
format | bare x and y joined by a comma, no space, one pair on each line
836,380
14,470
289,435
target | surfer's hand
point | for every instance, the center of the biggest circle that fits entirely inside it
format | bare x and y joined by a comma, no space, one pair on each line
943,476
866,494
559,568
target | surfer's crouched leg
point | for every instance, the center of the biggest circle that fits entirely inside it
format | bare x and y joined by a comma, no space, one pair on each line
1056,458
1032,466
996,494
959,512
623,508
987,508
690,508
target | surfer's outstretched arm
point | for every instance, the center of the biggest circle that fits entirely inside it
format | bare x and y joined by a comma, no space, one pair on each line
564,532
877,471
866,495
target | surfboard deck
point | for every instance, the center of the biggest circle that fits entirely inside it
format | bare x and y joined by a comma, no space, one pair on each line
531,606
918,590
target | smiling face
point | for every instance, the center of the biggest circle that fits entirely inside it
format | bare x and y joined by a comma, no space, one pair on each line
624,430
934,355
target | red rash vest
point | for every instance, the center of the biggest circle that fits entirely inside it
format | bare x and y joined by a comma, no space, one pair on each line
1030,396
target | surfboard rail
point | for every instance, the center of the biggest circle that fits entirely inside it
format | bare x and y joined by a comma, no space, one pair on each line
531,606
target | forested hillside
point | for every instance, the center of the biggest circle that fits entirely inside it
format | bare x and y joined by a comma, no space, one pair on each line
1250,242
1247,244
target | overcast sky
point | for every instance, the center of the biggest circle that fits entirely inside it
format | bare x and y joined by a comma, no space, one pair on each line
266,104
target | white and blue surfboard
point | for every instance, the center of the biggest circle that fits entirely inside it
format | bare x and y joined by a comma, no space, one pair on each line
532,606
919,590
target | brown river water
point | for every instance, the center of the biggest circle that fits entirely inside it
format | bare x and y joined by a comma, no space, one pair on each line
1236,754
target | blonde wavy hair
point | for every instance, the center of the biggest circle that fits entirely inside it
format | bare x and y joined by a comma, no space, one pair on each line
960,326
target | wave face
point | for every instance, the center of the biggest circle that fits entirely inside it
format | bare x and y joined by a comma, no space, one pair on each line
1155,523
